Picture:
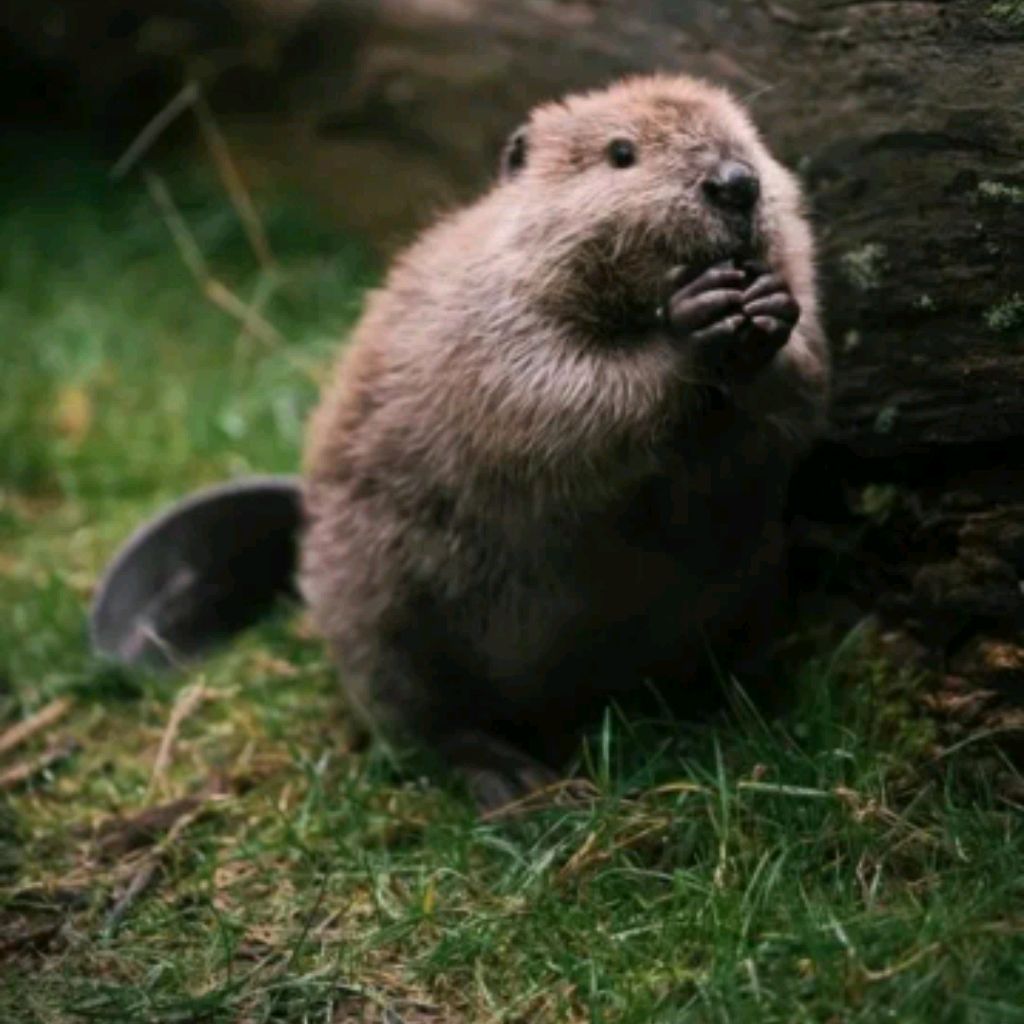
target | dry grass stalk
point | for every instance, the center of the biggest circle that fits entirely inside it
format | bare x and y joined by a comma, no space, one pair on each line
191,255
233,182
564,792
215,290
589,856
154,128
252,322
191,96
265,289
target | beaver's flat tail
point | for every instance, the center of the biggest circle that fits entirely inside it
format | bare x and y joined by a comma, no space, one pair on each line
206,568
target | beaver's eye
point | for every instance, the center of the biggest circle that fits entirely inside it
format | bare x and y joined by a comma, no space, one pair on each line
621,153
514,158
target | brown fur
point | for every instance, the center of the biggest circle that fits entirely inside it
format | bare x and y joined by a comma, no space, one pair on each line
521,502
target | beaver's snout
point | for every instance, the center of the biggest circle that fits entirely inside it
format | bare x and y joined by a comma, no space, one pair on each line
733,185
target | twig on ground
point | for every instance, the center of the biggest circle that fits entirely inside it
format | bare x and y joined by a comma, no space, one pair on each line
19,774
188,701
42,719
137,885
119,835
145,874
35,937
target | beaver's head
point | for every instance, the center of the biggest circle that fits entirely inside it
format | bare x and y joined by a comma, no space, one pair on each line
610,190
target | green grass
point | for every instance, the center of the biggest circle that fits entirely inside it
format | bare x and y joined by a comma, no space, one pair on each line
819,868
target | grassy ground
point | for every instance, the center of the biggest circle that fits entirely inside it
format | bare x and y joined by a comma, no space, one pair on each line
815,869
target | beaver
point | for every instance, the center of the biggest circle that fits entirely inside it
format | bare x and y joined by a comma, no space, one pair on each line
549,472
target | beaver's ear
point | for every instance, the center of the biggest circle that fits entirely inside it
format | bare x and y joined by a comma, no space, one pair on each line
513,156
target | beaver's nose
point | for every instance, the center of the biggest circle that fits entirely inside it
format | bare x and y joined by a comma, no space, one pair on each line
733,185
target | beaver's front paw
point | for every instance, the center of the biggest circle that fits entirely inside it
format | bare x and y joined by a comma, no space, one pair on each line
706,310
735,319
771,313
